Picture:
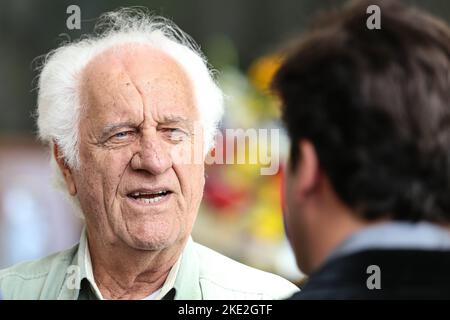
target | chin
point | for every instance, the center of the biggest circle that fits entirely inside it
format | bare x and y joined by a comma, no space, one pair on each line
144,237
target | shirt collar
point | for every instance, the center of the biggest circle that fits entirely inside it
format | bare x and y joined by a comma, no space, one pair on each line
396,235
182,278
187,281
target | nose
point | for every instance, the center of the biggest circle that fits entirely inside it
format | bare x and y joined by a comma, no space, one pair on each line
152,156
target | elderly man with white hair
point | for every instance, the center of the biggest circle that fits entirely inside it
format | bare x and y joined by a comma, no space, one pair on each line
123,112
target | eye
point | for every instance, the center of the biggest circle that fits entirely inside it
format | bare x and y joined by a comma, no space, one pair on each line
175,134
122,135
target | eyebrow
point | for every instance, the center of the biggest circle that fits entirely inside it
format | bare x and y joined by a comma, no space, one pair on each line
166,120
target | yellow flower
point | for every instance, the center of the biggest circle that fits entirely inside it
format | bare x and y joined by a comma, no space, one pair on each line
262,71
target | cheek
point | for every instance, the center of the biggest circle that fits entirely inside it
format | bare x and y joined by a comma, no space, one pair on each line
102,172
288,193
192,181
200,179
188,164
114,164
195,176
289,206
89,194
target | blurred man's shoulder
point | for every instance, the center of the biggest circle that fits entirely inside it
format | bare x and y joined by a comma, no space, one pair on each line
224,278
26,280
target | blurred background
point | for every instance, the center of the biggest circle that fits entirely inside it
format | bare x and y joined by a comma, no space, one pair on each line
240,215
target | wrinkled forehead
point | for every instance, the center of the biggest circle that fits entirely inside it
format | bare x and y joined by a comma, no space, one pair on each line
140,67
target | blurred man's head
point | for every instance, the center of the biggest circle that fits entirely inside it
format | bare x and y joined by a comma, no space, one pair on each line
368,114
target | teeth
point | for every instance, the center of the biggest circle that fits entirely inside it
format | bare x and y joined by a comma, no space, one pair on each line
138,194
150,200
149,197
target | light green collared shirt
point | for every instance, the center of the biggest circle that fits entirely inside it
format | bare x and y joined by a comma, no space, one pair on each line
199,273
86,274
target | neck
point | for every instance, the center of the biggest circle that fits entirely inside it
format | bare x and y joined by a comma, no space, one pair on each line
330,232
122,272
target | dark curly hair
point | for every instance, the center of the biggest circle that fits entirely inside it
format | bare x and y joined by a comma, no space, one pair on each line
376,106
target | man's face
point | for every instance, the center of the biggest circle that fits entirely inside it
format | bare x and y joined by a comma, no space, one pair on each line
139,111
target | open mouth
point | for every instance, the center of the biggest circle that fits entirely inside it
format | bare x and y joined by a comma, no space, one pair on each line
149,197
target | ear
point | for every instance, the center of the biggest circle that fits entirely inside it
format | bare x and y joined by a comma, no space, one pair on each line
307,172
65,170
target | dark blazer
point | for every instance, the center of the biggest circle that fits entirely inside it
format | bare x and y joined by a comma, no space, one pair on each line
404,274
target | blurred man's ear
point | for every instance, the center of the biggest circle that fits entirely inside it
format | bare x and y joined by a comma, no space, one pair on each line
307,172
67,173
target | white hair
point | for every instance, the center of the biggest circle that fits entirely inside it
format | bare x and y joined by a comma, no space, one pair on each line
58,105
